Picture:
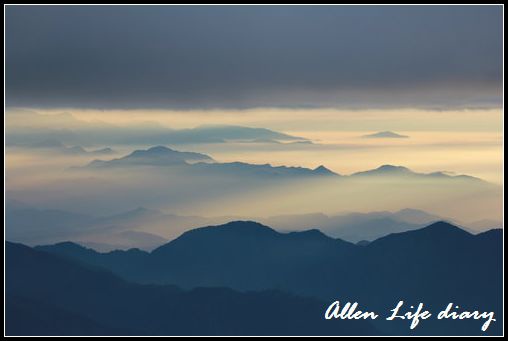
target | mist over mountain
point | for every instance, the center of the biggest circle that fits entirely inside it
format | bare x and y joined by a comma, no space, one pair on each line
32,225
29,129
56,146
246,169
279,177
121,240
355,227
148,228
404,173
164,156
154,156
197,163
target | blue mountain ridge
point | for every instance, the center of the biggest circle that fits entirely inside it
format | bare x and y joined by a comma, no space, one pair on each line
438,264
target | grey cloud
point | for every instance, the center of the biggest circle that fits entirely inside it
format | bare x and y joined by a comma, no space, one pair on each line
244,56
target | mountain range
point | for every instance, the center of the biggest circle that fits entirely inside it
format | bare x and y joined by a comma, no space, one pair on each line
204,164
154,156
437,264
51,295
54,145
355,227
28,128
201,163
401,172
148,229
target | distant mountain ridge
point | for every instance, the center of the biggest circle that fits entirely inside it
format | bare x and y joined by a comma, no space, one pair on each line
33,226
28,128
164,156
154,156
197,162
355,227
54,145
404,172
434,264
384,135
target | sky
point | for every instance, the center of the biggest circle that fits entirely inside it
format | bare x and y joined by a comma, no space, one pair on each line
329,74
202,57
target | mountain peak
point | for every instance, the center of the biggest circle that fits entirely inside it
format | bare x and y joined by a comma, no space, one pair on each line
227,234
241,226
66,247
159,149
386,170
443,226
312,234
168,154
70,245
385,134
392,168
152,151
323,170
154,156
433,233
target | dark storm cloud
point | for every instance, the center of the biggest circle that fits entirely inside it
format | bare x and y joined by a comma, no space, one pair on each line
189,57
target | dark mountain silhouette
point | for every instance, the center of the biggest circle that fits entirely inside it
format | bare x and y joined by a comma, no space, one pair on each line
231,253
386,170
254,171
29,317
385,135
50,295
154,156
437,264
403,172
323,170
200,163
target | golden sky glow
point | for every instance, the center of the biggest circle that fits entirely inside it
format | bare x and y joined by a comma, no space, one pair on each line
289,120
462,141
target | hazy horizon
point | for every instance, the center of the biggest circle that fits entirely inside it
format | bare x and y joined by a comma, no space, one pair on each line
277,108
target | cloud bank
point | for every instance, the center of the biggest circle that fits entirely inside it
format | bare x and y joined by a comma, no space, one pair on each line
254,56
